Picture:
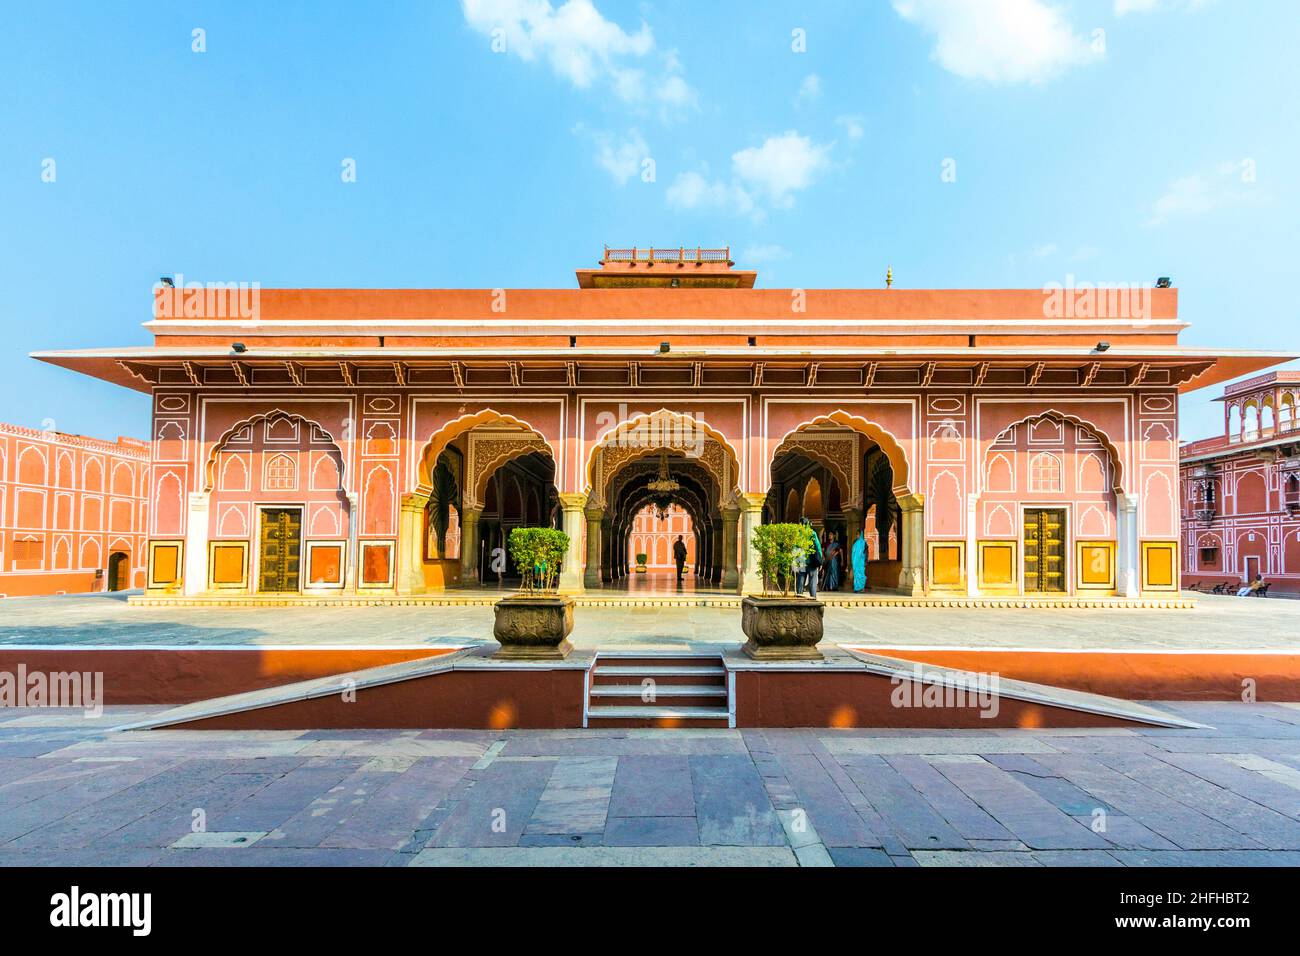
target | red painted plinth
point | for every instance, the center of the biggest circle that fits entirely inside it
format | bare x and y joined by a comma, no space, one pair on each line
1131,675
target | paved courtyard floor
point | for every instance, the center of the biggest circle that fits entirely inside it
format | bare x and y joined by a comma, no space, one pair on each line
73,792
1223,623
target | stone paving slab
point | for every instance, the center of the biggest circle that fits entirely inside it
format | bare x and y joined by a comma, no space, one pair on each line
1227,793
1223,623
1173,819
610,856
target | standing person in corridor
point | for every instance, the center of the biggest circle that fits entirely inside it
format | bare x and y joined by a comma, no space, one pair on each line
679,558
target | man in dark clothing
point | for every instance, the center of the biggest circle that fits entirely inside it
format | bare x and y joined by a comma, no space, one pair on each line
679,557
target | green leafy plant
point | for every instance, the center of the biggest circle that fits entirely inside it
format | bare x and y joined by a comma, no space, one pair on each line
538,553
777,546
640,558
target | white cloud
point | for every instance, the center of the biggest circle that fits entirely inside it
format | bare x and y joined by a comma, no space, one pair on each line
1043,250
1196,194
692,190
774,172
1000,41
583,47
764,253
809,90
622,159
1124,7
852,124
783,165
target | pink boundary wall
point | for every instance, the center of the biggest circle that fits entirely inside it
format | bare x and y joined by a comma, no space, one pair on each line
67,503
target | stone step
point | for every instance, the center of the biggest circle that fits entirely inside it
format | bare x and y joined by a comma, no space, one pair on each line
656,659
659,670
654,712
661,690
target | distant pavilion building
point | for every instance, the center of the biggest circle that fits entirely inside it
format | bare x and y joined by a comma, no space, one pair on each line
73,512
385,442
1241,490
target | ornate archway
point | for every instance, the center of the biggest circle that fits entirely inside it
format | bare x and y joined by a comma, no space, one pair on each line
450,432
477,448
849,457
693,447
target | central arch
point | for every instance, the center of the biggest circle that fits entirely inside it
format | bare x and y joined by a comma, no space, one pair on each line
702,459
643,435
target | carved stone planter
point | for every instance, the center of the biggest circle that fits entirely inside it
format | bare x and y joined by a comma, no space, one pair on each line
533,627
782,628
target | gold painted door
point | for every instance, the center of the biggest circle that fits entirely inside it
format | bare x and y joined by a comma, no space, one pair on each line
279,550
1044,550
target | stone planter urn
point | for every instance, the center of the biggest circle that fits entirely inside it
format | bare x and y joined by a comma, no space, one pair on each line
640,564
782,628
533,627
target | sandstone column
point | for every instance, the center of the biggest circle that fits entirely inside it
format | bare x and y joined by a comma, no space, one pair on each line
591,576
911,580
351,556
852,524
196,547
1127,576
730,576
972,547
571,574
751,581
469,546
410,545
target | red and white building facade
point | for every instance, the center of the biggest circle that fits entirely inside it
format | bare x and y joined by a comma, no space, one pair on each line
1241,490
73,512
1009,443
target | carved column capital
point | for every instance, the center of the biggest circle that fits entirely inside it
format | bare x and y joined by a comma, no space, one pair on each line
572,501
907,503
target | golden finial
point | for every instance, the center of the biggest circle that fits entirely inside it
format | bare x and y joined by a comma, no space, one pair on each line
889,277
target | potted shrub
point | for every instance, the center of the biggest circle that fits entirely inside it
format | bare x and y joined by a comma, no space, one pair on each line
640,563
781,625
535,623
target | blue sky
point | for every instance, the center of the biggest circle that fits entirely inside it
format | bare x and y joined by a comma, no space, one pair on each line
501,142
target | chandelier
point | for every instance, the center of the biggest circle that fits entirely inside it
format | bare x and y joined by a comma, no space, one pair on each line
663,489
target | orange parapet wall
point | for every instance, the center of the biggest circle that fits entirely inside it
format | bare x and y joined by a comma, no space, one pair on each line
1131,675
182,675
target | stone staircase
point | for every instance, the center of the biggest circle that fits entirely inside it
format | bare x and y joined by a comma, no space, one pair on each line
639,689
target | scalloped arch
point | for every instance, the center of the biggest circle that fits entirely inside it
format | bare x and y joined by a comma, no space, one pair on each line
888,442
449,432
273,414
677,417
1116,460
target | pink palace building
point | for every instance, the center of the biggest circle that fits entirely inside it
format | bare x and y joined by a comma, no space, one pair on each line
73,512
1241,490
317,444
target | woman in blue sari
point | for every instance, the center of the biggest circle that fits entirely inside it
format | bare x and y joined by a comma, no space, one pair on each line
860,563
833,552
